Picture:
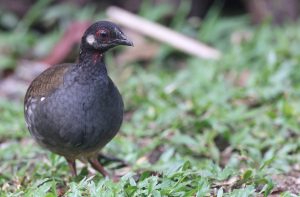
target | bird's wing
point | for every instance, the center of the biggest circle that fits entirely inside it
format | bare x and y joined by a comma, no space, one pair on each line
47,82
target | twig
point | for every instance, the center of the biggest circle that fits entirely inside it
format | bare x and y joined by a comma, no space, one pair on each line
162,34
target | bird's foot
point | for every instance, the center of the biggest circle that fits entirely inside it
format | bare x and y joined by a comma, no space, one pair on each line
97,166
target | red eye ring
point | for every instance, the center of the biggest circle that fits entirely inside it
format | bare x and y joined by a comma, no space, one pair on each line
103,33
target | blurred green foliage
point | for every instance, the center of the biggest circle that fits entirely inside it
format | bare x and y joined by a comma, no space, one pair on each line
194,114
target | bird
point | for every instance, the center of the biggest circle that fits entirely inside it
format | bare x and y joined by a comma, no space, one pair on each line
75,109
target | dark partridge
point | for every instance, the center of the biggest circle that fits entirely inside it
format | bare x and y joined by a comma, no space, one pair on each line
74,110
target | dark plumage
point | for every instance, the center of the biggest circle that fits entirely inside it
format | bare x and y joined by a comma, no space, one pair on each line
75,109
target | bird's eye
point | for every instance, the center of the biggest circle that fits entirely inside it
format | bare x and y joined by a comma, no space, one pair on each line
102,34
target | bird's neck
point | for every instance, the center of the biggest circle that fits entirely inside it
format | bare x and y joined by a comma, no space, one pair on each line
92,60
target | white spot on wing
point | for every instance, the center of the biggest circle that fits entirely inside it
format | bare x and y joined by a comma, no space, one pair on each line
43,98
90,39
29,112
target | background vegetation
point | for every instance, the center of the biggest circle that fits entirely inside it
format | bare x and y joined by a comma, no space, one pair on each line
193,127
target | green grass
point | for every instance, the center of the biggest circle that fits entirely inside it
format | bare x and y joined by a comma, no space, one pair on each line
190,131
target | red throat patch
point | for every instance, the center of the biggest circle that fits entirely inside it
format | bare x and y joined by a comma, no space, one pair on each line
96,57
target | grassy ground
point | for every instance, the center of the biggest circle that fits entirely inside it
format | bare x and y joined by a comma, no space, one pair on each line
192,127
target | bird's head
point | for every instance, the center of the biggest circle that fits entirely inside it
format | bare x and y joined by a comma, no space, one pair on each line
104,35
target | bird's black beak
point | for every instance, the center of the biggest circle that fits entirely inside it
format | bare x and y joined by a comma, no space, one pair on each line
123,40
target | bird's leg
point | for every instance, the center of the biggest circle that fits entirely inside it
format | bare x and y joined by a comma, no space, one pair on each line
72,166
97,166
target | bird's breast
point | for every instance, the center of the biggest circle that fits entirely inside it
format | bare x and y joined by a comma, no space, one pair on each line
81,116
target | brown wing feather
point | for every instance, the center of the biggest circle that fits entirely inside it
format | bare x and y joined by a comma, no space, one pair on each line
47,82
